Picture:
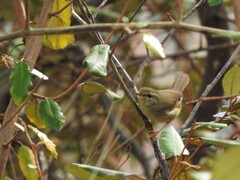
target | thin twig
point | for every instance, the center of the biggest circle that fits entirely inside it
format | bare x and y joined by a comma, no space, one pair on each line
188,14
27,12
142,67
211,98
67,91
189,159
209,88
128,140
130,20
62,9
137,60
124,10
100,134
99,7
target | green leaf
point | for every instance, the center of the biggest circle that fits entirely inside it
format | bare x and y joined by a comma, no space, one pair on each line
214,2
82,172
92,88
27,163
48,143
225,165
97,60
51,114
171,143
20,82
62,19
210,125
113,95
232,35
153,45
32,113
220,142
7,178
231,81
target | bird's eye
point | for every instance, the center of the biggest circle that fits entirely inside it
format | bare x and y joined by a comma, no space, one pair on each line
148,95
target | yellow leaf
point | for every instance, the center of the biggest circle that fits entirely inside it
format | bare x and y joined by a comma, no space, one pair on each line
62,19
48,143
32,113
231,81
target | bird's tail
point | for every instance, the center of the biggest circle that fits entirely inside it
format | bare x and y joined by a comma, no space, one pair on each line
180,82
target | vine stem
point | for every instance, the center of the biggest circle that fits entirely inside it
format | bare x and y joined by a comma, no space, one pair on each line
67,91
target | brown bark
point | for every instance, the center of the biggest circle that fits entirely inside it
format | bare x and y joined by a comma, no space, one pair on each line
236,10
33,47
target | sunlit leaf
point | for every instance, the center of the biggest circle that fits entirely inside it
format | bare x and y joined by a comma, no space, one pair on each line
48,143
32,113
153,45
214,2
39,74
62,19
51,114
225,165
195,175
231,81
171,143
82,172
20,82
27,163
19,126
97,60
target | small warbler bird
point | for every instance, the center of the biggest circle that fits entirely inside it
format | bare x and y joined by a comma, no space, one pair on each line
163,105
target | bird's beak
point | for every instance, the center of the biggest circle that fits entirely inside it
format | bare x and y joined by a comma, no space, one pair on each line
139,94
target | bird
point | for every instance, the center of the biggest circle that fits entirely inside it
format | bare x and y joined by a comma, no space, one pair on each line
163,106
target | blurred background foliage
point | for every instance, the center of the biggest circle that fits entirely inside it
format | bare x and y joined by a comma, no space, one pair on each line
93,121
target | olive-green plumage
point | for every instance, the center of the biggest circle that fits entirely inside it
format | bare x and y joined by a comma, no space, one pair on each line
163,105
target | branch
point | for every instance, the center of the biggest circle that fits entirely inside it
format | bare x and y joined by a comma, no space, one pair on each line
211,98
209,88
33,46
105,27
